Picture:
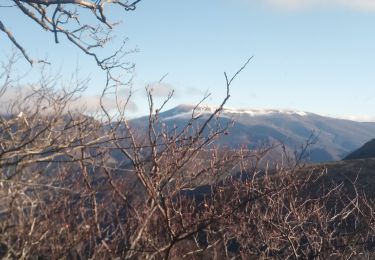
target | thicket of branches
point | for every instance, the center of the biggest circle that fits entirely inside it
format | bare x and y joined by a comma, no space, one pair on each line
66,18
76,186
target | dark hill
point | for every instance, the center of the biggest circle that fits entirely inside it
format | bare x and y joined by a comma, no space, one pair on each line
366,151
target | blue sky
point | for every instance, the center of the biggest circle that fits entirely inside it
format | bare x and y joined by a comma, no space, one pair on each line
310,55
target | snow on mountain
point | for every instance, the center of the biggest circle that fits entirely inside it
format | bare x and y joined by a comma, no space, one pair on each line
185,111
335,137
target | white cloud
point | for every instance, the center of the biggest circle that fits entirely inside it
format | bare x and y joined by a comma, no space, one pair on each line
161,89
91,104
15,99
362,5
193,91
358,118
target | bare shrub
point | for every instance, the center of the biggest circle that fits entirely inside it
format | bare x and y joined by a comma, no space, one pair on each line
76,186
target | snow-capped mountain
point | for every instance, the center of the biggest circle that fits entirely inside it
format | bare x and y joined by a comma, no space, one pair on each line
335,137
187,110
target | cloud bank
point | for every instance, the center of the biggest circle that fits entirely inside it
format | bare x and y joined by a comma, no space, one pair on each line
91,104
360,5
20,98
358,118
161,89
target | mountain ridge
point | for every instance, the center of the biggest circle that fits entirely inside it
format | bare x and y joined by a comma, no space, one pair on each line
336,137
364,152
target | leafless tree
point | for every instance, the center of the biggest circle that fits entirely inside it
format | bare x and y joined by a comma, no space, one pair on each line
64,18
100,187
43,144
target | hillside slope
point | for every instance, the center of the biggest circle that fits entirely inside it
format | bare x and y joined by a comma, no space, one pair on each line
365,151
335,138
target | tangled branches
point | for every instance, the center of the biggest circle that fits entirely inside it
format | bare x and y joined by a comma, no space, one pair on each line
65,18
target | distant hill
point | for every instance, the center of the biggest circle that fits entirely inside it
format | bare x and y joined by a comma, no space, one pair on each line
364,152
336,138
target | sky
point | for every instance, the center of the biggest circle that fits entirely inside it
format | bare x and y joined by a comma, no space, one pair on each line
308,55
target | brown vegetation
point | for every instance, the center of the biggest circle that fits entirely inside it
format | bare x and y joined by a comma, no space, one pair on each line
79,187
